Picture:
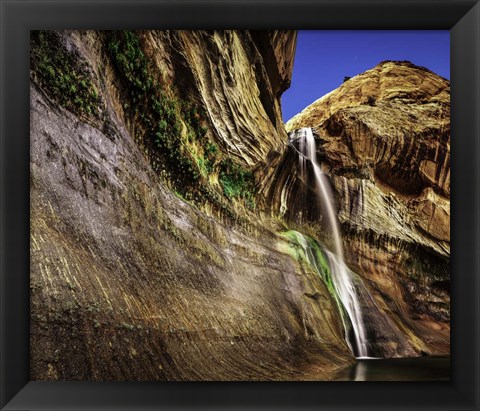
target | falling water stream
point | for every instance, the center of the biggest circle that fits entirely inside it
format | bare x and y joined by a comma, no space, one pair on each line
341,276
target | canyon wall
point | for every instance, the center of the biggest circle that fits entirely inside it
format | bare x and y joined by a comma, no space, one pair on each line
162,186
383,137
150,256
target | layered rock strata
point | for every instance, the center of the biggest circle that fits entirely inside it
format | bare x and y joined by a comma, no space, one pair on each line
383,137
162,179
132,278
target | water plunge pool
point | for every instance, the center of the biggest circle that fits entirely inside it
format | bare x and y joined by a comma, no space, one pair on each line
397,369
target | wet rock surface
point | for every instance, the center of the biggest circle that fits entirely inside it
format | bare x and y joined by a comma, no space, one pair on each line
158,260
383,137
129,281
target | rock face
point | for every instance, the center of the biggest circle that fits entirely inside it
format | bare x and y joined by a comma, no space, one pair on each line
383,137
239,77
164,194
136,277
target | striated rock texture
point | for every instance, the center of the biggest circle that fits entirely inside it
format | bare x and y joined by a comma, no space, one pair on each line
164,193
150,258
383,137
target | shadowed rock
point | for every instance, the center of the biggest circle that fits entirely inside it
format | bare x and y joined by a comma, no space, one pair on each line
129,281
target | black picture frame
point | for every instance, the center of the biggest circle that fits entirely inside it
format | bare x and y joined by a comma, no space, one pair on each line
18,17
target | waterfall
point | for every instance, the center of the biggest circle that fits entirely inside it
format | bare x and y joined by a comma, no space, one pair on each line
341,276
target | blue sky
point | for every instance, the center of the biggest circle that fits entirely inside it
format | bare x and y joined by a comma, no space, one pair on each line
324,57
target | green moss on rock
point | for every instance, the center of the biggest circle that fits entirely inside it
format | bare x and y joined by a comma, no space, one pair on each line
176,130
305,249
172,126
63,74
236,181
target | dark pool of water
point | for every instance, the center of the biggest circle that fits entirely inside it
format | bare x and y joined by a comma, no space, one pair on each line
398,369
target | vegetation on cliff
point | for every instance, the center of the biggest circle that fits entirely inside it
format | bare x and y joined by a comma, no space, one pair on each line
62,73
164,197
178,128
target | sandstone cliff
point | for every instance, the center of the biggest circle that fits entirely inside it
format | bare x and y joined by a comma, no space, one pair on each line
383,137
163,187
149,258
